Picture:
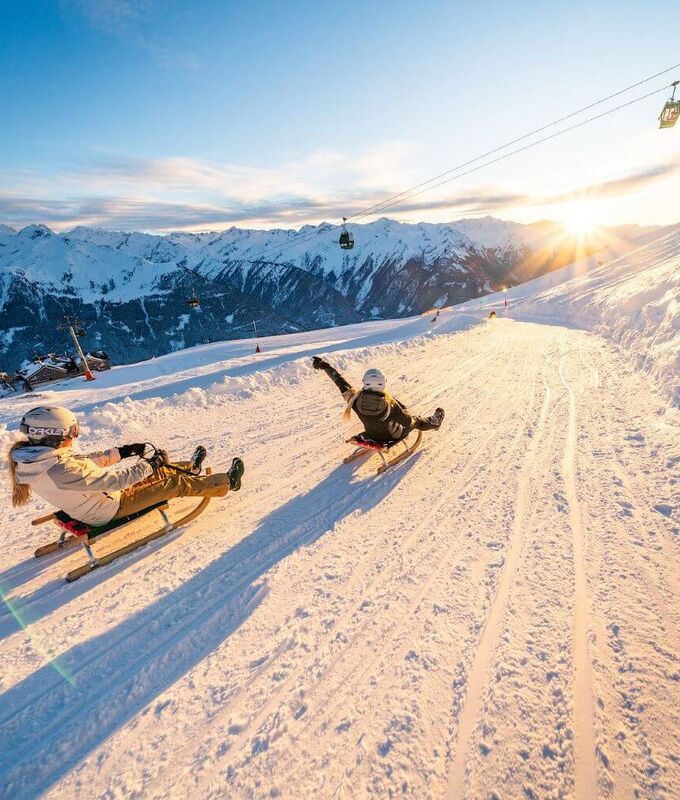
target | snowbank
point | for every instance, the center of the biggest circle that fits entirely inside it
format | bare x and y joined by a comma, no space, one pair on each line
634,300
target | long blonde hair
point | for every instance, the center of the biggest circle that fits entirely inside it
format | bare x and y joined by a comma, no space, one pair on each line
21,492
350,396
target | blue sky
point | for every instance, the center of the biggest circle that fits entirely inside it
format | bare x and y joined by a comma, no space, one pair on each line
161,114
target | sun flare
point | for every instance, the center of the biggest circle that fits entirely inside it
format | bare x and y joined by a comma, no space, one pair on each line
579,219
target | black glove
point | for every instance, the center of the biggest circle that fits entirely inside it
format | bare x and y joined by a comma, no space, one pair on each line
127,450
158,459
318,363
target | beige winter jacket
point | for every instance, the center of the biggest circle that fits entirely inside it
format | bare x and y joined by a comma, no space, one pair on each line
76,483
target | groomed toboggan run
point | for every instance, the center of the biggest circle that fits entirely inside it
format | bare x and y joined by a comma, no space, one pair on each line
498,616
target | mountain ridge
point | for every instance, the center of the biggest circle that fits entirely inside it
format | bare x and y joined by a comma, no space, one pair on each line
130,288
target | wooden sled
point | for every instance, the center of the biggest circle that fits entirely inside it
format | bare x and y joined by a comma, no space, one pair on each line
74,532
86,536
364,446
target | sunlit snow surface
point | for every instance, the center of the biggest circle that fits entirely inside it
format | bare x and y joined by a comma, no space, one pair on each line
496,617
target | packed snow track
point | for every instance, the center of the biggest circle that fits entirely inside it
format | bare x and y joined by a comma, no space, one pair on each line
496,617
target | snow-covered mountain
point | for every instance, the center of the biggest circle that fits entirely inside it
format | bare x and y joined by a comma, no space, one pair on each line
131,289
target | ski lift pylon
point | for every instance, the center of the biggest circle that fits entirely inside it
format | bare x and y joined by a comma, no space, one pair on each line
346,237
671,111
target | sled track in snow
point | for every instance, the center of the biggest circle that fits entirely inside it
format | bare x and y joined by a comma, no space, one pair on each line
585,774
267,721
319,730
478,670
630,771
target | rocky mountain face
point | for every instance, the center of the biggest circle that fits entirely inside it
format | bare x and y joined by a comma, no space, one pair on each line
130,290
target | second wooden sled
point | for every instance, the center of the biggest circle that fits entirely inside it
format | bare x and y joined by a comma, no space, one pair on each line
365,445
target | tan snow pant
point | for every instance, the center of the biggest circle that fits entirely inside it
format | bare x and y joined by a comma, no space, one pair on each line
165,484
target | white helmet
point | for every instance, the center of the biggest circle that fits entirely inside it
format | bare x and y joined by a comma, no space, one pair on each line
49,423
374,379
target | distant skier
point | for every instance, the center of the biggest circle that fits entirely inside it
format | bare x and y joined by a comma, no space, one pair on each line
81,485
384,418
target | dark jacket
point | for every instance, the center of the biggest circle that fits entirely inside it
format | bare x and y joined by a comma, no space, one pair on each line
384,418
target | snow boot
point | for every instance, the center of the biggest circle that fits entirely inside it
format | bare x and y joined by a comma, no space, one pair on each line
198,458
235,474
437,418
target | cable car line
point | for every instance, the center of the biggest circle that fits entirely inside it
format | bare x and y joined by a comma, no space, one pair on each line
668,118
424,187
377,206
528,146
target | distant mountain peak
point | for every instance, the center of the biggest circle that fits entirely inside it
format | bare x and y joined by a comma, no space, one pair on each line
35,232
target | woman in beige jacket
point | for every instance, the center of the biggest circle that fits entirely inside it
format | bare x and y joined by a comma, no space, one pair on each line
84,487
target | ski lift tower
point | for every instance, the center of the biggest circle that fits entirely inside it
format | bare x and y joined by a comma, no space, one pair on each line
76,329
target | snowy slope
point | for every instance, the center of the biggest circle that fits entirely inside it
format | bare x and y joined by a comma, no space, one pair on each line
632,299
496,617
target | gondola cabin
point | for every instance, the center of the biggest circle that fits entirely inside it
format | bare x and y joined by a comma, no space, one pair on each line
671,111
193,301
670,114
346,240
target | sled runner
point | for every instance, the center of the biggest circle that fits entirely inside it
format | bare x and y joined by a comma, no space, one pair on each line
76,533
365,445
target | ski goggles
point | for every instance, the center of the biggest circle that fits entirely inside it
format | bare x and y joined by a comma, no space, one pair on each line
36,432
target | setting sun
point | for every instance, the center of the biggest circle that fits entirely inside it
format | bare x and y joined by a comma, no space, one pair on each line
579,219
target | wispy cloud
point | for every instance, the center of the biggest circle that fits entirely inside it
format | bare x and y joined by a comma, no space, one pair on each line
137,213
183,193
110,16
633,181
131,21
190,194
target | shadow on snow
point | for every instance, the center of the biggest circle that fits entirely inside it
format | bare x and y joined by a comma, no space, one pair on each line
49,725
